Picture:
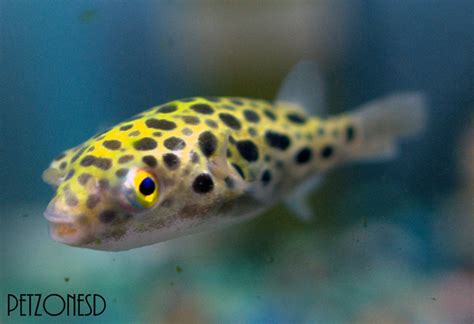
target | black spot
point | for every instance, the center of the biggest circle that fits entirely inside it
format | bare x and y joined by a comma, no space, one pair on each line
279,164
107,216
71,199
207,143
229,182
228,107
267,158
194,157
202,109
174,143
171,161
229,153
230,121
134,133
166,109
103,163
296,118
327,152
252,131
304,156
150,161
157,134
162,124
269,114
121,172
321,131
78,154
212,99
112,144
88,160
63,165
124,159
92,201
211,123
191,120
237,102
167,203
203,183
92,148
83,178
266,177
239,170
251,116
350,133
145,144
125,127
277,140
248,150
187,131
104,184
60,156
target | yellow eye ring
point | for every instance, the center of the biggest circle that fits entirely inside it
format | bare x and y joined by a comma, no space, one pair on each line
146,188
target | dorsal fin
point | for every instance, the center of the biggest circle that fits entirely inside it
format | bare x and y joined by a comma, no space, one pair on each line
304,86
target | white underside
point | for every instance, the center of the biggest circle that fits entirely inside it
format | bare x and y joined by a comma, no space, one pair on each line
133,239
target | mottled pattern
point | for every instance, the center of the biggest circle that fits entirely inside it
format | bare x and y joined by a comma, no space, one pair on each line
206,153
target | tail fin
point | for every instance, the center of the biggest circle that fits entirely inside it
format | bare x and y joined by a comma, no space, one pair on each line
385,121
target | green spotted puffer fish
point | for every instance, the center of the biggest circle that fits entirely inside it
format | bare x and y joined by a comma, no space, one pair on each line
200,163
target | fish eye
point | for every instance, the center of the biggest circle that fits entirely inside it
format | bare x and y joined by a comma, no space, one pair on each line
147,186
145,191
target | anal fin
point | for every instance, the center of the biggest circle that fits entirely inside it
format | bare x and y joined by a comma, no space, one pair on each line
298,203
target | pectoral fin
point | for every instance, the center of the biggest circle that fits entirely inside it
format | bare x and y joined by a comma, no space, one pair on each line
222,171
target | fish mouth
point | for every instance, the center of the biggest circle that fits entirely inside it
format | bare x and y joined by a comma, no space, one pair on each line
63,229
57,218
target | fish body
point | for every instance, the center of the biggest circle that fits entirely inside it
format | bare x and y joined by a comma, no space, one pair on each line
205,162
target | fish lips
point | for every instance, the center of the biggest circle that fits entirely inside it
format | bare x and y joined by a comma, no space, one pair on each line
63,229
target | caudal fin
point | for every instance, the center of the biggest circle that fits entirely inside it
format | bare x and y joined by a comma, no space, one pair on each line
383,122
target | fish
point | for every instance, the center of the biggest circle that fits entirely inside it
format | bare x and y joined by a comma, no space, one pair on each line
203,163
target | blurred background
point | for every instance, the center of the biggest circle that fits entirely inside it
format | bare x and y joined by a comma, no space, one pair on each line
390,243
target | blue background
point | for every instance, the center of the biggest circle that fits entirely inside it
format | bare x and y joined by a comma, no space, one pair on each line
388,241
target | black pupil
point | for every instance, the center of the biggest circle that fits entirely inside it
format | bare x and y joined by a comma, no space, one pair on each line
147,187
